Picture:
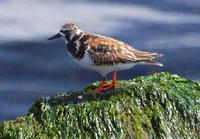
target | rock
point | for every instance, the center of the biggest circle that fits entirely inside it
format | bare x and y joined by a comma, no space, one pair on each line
161,105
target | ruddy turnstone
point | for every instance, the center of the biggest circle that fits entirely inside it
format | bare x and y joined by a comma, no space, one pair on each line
102,54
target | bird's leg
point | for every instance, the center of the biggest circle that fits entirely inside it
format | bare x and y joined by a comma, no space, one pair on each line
112,85
100,88
105,87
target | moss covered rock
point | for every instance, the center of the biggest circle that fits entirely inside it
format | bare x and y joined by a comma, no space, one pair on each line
157,106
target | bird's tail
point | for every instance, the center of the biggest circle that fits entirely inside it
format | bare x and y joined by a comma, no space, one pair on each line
151,62
145,55
147,58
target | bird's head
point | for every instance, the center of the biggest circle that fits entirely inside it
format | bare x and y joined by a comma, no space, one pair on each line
67,31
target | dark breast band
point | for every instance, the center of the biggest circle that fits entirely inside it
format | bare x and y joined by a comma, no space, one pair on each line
75,47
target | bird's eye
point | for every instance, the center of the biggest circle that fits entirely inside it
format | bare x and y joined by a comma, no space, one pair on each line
65,31
62,31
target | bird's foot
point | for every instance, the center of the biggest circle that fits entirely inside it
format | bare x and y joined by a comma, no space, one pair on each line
110,86
103,88
98,90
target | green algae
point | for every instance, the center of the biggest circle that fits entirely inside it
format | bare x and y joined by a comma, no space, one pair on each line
162,105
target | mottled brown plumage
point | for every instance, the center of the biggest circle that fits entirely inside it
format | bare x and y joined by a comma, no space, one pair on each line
106,50
102,54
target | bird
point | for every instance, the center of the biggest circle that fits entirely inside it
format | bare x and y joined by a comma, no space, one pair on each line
102,54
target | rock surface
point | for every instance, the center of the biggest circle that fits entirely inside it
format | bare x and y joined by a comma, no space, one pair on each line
161,105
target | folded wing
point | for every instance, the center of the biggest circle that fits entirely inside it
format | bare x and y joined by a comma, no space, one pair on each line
106,51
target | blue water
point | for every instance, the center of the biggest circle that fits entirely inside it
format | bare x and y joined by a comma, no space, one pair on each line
31,67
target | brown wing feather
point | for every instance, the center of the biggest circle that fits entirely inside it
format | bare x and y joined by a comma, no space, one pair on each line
105,50
146,57
142,55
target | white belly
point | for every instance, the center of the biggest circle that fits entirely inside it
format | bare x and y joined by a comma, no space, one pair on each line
104,69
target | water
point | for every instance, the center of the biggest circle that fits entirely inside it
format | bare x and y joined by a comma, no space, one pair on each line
32,67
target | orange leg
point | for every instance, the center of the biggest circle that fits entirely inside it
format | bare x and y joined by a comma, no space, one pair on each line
106,87
112,85
100,88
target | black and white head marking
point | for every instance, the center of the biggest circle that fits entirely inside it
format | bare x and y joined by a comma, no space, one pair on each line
70,32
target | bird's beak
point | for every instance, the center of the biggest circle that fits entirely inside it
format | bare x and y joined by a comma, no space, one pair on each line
55,36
